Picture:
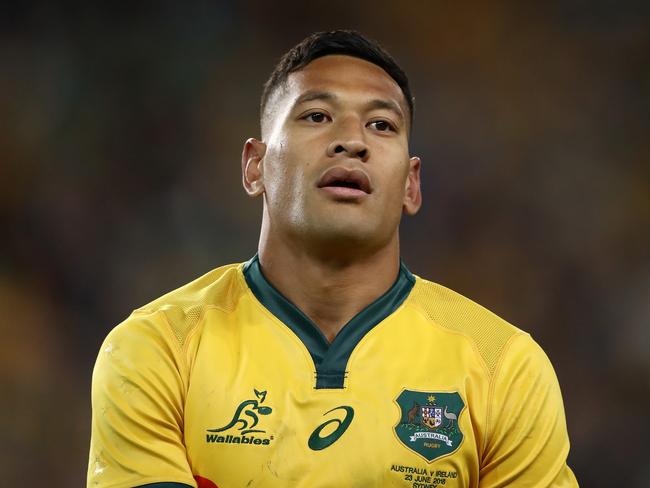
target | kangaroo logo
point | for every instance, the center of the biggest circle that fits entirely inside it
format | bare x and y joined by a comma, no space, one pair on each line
249,408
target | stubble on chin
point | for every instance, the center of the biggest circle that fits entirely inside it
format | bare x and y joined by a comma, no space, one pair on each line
335,231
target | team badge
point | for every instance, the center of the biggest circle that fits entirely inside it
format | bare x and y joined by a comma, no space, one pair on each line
243,423
428,422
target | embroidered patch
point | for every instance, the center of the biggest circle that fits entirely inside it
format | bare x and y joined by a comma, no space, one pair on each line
245,419
428,423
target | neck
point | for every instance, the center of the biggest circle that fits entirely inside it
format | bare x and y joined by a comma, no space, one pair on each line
329,289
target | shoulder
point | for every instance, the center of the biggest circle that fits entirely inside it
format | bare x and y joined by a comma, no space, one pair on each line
181,309
217,288
489,334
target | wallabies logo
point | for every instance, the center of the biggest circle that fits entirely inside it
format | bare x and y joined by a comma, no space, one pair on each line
245,419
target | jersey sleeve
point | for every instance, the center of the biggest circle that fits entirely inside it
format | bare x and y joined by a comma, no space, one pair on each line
138,391
527,443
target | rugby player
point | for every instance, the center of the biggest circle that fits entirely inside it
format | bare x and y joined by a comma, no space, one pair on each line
323,361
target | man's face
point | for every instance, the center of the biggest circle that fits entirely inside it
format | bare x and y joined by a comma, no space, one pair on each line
336,168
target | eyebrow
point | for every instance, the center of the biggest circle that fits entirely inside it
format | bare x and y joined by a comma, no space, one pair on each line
314,95
374,104
379,103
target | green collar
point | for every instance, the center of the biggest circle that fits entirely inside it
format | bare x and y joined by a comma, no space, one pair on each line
330,359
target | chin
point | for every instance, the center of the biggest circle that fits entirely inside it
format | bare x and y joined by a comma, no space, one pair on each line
340,234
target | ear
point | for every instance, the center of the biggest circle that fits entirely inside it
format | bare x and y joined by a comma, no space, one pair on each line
412,192
251,167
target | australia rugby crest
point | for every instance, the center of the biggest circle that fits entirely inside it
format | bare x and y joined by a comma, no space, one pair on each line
428,423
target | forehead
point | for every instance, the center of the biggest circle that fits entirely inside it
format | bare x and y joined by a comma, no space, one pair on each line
344,75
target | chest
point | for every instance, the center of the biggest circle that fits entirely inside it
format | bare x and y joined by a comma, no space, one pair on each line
406,415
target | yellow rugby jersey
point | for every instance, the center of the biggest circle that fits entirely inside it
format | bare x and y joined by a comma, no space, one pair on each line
225,383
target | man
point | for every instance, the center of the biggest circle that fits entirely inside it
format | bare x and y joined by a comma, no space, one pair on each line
322,361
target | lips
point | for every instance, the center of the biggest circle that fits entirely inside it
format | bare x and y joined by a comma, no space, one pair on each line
353,179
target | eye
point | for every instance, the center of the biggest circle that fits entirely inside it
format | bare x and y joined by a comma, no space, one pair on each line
316,117
382,126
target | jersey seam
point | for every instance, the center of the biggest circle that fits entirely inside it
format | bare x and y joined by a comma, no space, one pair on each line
153,310
497,370
197,326
159,310
193,331
171,336
467,337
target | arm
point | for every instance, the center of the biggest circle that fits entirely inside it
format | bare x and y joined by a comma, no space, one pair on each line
527,443
164,485
138,391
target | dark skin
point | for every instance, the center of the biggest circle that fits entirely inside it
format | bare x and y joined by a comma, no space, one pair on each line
333,248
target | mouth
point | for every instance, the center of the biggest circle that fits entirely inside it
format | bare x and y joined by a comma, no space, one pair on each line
343,182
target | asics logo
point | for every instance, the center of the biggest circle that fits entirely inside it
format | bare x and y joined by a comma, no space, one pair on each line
316,442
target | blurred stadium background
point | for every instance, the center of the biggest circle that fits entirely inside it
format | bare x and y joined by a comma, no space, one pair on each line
121,128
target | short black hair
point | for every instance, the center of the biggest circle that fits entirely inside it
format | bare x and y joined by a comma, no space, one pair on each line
346,42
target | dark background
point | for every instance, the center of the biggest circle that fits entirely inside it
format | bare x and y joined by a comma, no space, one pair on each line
121,130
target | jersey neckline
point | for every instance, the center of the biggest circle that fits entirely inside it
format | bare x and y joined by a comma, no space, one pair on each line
330,359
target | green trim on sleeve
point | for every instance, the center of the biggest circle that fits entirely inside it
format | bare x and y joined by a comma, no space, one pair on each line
330,359
165,484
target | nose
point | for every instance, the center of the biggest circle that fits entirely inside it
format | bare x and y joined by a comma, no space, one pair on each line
354,148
